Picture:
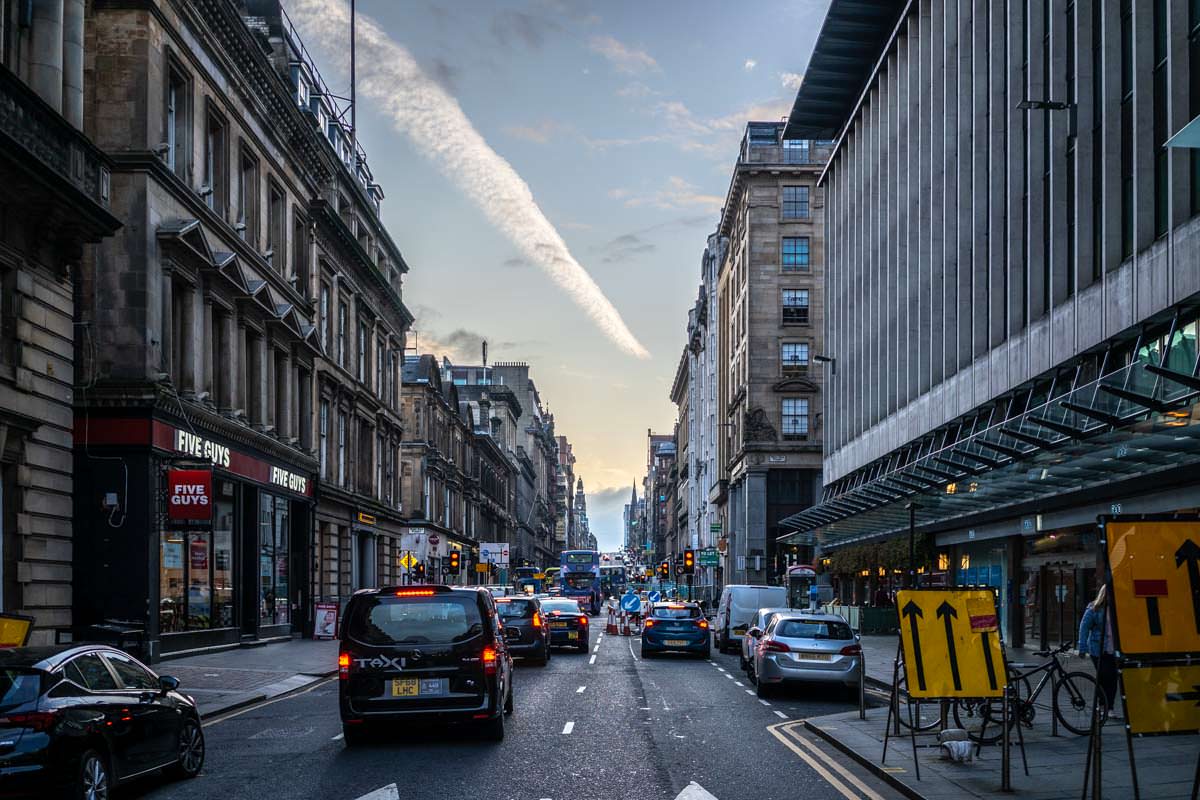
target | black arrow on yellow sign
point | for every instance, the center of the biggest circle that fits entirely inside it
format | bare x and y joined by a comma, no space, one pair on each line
987,659
912,611
948,613
1185,696
1189,551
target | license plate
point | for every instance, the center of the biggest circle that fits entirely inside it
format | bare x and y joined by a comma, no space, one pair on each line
675,642
558,624
814,656
573,635
418,687
739,631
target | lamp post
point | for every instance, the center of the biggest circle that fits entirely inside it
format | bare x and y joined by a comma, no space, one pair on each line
914,581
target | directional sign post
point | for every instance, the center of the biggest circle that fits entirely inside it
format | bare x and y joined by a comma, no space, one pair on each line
951,643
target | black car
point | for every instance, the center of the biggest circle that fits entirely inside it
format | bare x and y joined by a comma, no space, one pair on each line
414,653
82,719
525,630
568,623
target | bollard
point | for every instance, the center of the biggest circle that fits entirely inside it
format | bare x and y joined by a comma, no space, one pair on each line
1005,765
862,685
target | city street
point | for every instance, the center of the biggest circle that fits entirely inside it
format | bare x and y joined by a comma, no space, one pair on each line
607,725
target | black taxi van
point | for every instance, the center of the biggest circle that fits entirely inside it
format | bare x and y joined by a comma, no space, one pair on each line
414,653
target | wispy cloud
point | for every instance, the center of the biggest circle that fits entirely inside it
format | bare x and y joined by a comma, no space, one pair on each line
539,133
678,193
625,247
750,65
418,107
635,90
628,60
791,80
520,27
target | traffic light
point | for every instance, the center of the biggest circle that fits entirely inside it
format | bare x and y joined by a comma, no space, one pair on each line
689,562
419,573
664,570
455,562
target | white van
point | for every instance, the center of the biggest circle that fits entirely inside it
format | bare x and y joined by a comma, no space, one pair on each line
739,603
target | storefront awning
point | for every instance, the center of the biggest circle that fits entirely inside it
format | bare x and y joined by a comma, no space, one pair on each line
1136,422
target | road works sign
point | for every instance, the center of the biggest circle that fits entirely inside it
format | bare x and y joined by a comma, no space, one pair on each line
1162,699
1155,568
951,641
407,561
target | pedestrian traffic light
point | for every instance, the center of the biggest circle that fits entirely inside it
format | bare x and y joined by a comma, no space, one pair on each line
455,562
664,570
689,562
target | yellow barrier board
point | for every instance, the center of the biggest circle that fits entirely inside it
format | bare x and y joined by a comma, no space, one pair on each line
14,630
1156,586
951,643
1162,699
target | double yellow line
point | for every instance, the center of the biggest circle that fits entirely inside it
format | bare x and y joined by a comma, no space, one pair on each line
786,733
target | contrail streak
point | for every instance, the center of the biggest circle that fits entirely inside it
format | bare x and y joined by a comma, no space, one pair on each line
434,121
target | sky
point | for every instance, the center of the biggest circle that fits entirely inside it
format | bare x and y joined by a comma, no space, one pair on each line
551,170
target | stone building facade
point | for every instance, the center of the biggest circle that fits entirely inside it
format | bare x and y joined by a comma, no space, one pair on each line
54,202
770,298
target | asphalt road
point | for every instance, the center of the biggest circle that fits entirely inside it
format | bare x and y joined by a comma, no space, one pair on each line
606,725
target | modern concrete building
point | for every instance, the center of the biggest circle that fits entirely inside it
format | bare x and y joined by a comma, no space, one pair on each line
770,291
54,200
1012,296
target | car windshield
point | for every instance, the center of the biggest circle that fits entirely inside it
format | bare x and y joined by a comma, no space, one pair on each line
563,606
676,612
813,629
516,609
18,687
384,620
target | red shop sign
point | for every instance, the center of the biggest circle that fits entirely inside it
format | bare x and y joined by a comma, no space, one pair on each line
189,494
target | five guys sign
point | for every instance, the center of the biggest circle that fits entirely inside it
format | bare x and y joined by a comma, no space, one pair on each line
189,495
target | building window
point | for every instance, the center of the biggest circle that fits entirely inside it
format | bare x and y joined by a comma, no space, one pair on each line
276,214
381,450
341,450
795,253
178,123
323,310
300,257
218,370
323,439
364,334
248,197
795,202
795,417
793,357
341,335
216,164
795,306
380,367
796,151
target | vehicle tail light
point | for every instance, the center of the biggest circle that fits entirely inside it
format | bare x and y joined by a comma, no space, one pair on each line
852,650
648,623
489,660
772,646
344,666
583,621
40,721
415,593
703,624
537,620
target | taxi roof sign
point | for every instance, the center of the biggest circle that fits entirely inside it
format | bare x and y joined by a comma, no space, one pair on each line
1155,568
951,643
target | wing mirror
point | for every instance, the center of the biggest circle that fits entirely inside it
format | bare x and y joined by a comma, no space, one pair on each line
168,683
755,633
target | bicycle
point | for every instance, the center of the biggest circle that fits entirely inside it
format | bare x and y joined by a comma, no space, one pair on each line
1071,701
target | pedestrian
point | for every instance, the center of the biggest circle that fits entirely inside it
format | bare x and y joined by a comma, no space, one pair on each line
1096,640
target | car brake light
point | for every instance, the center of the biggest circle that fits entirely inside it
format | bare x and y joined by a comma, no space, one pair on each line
703,624
489,660
344,665
649,623
583,621
774,646
852,650
415,593
40,721
537,620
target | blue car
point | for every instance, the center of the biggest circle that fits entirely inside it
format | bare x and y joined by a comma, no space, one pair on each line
676,626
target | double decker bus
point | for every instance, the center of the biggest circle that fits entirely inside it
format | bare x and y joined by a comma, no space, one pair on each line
612,580
580,577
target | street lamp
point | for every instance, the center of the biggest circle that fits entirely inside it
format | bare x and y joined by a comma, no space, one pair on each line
830,360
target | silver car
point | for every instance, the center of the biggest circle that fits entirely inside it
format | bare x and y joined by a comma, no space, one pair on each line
818,648
748,643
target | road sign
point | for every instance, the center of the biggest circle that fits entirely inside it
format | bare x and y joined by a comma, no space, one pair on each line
654,597
709,557
482,567
631,602
407,561
1156,585
714,528
494,553
951,643
1162,699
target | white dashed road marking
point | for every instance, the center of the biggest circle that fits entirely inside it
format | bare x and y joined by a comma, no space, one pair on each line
738,683
570,726
764,702
580,690
749,691
781,715
592,660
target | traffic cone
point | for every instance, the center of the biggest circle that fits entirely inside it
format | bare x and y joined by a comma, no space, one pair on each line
611,626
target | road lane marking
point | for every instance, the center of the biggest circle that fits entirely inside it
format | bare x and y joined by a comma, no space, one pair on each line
580,690
764,702
847,774
722,669
389,792
829,777
635,658
781,715
727,675
592,660
694,791
570,726
749,691
339,736
738,683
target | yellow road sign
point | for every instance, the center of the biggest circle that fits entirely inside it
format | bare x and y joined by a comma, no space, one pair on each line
1162,699
951,641
14,630
1156,585
481,567
407,561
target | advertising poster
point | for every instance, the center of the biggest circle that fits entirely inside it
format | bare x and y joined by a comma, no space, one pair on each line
325,620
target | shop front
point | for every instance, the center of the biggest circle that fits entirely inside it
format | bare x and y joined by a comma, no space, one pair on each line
1059,577
199,542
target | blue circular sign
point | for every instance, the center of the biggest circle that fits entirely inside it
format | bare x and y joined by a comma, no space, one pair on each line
630,602
655,597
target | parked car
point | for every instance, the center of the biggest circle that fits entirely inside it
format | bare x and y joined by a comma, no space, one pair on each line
81,720
675,626
737,607
818,648
413,653
762,618
525,630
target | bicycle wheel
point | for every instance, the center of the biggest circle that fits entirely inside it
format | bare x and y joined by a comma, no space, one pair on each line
925,716
983,718
1073,702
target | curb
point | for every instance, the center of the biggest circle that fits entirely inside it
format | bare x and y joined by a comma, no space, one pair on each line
263,696
875,769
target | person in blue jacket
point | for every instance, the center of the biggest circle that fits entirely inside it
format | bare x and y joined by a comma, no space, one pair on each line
1096,640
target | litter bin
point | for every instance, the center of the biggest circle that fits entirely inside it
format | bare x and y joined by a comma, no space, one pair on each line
122,634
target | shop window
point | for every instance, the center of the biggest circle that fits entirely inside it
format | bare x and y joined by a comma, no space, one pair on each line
196,574
273,547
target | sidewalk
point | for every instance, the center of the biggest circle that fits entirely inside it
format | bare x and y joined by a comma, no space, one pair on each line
1166,764
232,678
